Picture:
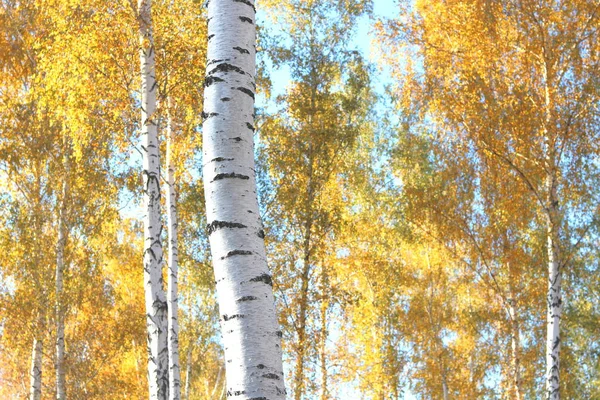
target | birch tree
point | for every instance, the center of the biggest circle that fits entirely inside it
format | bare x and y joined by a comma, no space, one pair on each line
251,337
322,115
63,229
156,302
173,263
520,81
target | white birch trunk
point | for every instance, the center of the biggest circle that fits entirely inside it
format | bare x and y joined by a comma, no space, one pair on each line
515,342
324,333
61,390
444,384
188,374
173,326
251,337
156,303
554,300
35,386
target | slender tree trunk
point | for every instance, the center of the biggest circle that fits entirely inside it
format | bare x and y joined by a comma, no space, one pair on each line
35,387
251,337
301,320
515,344
304,283
554,298
217,383
156,303
323,344
61,390
188,374
444,383
515,355
173,328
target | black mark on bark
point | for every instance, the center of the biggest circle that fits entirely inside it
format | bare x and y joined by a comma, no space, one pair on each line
246,2
241,50
230,317
231,175
226,67
271,376
246,91
210,80
246,19
213,226
206,116
247,298
265,278
237,253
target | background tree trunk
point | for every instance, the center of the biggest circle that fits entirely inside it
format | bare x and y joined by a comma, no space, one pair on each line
35,387
173,328
61,390
156,303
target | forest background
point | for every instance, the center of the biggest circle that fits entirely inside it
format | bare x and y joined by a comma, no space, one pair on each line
416,201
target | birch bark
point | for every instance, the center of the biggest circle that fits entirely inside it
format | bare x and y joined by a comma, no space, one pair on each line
515,351
61,390
35,386
156,302
554,297
188,374
173,326
251,337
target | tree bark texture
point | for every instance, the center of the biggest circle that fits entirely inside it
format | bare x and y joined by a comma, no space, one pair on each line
61,390
156,302
35,386
554,297
188,374
173,326
251,337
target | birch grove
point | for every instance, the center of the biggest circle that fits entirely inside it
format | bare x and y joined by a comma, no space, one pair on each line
359,199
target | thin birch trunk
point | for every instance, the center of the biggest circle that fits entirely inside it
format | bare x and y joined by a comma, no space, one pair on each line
323,344
304,281
554,298
251,337
61,390
515,343
35,386
173,328
188,374
444,382
302,312
156,302
217,383
515,354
